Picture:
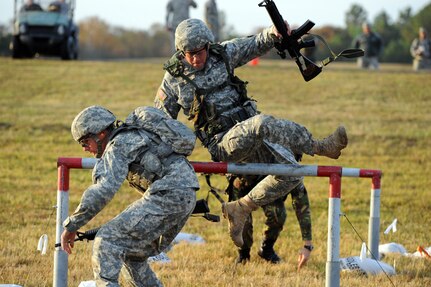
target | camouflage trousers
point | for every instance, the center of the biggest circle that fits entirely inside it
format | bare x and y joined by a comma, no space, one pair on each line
421,64
172,41
247,141
275,212
144,229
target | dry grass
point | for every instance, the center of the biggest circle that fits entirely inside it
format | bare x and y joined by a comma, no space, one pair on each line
386,112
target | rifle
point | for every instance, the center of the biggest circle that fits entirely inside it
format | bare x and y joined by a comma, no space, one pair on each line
81,236
201,207
293,43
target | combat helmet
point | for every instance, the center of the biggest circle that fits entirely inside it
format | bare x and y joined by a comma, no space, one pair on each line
91,121
192,34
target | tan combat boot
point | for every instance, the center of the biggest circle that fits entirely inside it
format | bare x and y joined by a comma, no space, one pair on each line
237,213
332,145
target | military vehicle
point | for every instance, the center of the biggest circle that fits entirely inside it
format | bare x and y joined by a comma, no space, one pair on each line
44,28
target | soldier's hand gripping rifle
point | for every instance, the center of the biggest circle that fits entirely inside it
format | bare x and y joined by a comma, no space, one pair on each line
81,236
293,43
201,207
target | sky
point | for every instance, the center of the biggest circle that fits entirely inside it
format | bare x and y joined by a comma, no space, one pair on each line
243,15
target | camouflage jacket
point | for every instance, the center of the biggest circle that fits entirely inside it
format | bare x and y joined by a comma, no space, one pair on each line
421,49
175,93
112,169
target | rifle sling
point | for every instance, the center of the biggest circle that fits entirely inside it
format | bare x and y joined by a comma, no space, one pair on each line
213,190
348,53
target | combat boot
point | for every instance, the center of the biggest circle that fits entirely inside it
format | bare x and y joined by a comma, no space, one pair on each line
237,213
266,251
243,256
332,145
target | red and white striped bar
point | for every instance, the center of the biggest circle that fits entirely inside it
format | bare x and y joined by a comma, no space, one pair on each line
334,173
247,168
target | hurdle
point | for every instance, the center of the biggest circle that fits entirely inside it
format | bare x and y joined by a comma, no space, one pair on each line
334,173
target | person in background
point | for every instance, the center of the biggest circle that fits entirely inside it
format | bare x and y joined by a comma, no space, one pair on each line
200,80
372,44
59,6
177,11
30,5
155,168
212,19
420,50
275,214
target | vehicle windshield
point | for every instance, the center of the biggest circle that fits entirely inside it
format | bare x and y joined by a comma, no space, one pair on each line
58,6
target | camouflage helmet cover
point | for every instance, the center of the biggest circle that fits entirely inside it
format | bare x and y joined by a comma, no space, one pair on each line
192,34
91,120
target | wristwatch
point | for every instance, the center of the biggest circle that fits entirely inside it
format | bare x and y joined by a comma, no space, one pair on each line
309,247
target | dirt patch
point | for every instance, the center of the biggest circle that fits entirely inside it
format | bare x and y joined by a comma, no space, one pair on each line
5,126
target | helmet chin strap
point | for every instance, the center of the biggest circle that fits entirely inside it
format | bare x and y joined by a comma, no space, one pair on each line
99,148
100,143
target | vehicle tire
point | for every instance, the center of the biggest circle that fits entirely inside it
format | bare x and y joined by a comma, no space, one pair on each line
17,48
68,49
20,51
76,52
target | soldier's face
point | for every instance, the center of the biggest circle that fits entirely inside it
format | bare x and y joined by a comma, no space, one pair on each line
90,145
197,58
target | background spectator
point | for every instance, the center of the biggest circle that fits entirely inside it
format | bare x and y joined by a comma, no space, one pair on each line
176,12
372,44
212,18
421,51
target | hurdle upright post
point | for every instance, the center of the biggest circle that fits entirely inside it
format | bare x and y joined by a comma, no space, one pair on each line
64,165
374,221
60,256
332,278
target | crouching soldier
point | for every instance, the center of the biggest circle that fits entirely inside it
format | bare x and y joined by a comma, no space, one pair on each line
149,150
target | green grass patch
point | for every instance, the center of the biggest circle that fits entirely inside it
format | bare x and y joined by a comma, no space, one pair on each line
386,113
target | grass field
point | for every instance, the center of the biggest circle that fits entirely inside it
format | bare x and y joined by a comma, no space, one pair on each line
386,113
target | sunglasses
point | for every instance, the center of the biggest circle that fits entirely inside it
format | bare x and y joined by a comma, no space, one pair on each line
196,52
84,142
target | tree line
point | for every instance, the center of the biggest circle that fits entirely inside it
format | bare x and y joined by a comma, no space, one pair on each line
397,35
99,40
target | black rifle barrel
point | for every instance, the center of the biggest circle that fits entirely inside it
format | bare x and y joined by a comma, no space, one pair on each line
201,207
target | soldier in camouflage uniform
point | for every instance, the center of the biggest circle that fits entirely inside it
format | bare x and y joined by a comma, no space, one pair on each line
275,214
420,49
211,18
149,224
200,80
177,11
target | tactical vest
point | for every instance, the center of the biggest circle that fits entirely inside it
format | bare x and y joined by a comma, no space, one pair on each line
207,123
160,152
